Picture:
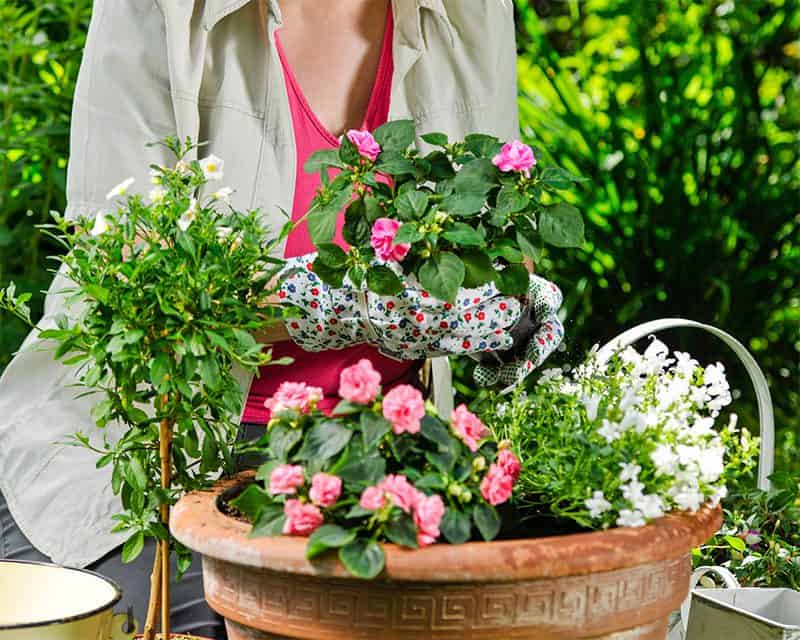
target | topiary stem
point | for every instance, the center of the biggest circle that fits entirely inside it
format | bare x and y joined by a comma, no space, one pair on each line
155,594
165,450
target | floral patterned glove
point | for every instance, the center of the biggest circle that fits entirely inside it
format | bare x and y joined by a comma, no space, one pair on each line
412,325
545,298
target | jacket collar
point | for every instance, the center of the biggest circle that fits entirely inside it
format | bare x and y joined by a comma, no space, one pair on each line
406,15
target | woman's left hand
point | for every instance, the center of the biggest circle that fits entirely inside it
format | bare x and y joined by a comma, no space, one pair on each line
545,298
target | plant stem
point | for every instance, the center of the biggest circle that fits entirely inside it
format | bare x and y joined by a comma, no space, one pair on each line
155,593
165,438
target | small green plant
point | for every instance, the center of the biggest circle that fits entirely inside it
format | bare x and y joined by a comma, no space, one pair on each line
467,213
162,298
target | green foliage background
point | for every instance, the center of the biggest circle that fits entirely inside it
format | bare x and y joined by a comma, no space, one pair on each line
684,114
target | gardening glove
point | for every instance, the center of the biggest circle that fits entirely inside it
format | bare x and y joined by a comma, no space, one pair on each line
412,325
545,298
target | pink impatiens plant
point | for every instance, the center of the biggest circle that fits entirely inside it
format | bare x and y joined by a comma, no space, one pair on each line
379,468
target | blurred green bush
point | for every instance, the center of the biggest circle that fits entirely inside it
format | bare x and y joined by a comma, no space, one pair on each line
684,114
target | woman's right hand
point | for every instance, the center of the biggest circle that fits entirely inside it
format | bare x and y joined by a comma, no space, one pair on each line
412,325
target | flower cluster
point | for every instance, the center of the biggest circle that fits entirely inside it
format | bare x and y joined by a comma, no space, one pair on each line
463,214
624,442
381,467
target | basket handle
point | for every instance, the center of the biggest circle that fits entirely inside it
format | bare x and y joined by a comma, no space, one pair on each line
765,414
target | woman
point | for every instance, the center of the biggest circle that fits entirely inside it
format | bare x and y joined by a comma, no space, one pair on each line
265,83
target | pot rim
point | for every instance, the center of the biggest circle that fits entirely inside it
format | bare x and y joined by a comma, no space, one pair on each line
197,523
78,616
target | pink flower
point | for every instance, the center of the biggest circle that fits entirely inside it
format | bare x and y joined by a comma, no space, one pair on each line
515,156
427,516
360,383
509,463
325,489
365,143
401,491
301,519
496,485
383,232
286,479
294,395
404,407
468,426
372,498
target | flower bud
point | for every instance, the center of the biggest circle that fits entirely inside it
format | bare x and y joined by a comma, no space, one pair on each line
454,490
504,444
466,496
479,463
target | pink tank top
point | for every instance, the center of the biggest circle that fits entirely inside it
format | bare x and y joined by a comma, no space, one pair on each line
323,369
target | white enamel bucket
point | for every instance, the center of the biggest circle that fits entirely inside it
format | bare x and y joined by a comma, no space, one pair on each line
41,601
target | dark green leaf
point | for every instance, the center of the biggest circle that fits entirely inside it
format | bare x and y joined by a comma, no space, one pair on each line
436,139
282,439
322,220
331,255
561,225
137,476
323,158
456,526
383,281
372,209
396,135
443,460
514,280
362,558
356,230
373,428
394,164
434,430
346,408
442,275
463,204
477,176
363,471
328,536
558,178
463,235
252,501
509,200
348,153
487,520
209,372
269,523
482,145
133,547
408,234
159,369
401,530
478,268
324,440
329,275
412,205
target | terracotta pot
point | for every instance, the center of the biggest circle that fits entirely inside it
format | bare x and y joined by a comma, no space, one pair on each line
619,584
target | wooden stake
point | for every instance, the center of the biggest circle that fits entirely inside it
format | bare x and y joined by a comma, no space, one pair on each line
165,451
155,596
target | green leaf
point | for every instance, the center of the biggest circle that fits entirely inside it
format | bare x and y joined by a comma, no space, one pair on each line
463,204
252,501
328,536
463,235
383,281
282,439
209,372
478,176
561,225
362,558
483,145
396,135
363,471
356,229
322,220
394,164
478,267
443,460
373,209
412,205
432,482
434,430
436,139
324,440
514,280
401,530
487,520
133,547
97,292
356,275
456,526
509,200
269,523
347,408
442,275
331,255
323,158
159,369
558,178
528,248
348,153
137,476
408,234
736,543
329,275
373,428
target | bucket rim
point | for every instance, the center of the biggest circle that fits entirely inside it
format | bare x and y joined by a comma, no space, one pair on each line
81,616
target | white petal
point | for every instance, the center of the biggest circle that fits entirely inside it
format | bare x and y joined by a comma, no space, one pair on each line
121,189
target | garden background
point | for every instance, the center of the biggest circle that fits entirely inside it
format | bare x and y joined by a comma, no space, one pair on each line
685,116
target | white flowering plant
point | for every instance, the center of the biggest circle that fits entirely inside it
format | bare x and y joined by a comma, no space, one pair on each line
624,442
164,295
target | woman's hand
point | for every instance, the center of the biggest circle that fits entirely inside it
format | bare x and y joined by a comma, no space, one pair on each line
545,298
412,325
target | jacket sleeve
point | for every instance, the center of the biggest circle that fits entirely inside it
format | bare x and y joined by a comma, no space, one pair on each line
122,102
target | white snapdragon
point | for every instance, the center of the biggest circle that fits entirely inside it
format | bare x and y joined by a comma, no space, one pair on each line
121,189
554,373
212,167
665,460
631,518
630,471
591,403
188,216
597,504
101,224
223,195
610,431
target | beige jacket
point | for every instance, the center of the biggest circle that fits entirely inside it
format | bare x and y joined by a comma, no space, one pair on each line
209,69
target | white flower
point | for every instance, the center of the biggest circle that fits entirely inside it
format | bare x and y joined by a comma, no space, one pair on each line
687,498
591,403
121,189
651,505
752,538
633,420
155,176
212,167
711,463
157,194
688,454
501,409
628,518
720,494
554,373
749,560
101,224
610,431
597,504
703,427
685,365
223,195
630,471
183,167
664,459
189,216
633,491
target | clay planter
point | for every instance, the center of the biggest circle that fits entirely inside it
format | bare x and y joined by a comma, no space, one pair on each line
620,584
